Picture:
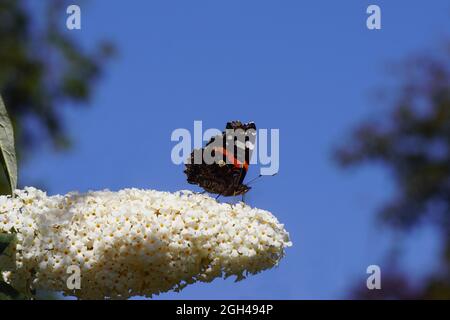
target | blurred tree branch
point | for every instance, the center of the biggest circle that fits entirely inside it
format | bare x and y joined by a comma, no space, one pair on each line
41,68
413,142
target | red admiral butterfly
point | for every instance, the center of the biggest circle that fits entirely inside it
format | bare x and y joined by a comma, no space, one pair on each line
230,153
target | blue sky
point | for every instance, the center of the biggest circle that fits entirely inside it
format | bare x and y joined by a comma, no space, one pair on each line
308,68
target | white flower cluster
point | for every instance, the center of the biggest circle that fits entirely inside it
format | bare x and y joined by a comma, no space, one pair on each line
135,242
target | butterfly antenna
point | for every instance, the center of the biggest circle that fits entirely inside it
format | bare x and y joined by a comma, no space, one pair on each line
259,176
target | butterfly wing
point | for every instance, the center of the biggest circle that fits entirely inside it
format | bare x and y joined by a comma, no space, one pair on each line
227,173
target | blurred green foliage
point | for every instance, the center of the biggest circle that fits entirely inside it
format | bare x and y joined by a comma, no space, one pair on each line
43,67
413,142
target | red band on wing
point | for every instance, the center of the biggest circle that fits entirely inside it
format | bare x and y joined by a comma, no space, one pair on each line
238,164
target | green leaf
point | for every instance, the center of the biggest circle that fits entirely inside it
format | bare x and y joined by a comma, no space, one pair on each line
7,292
5,240
8,152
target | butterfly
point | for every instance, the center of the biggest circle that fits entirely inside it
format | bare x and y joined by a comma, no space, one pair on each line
221,166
